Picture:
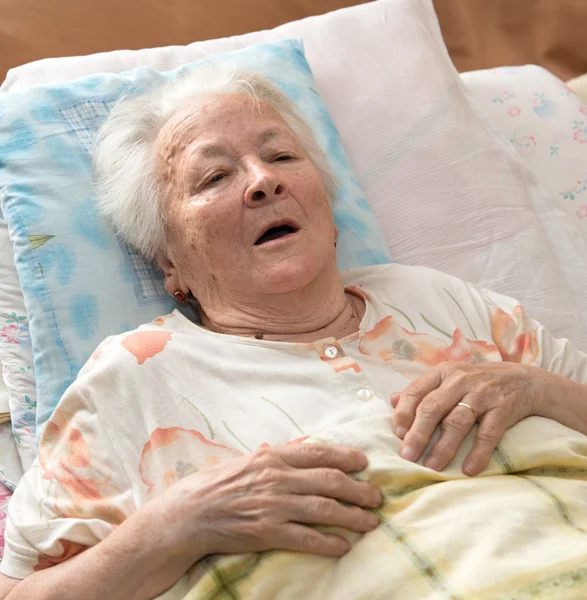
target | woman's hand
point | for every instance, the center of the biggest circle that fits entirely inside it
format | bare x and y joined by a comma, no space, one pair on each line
498,394
268,500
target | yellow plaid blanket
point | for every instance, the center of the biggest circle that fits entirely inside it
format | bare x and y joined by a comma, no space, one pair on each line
517,532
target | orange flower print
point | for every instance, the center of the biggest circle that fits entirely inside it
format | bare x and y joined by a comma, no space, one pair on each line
343,363
412,354
146,344
69,549
160,321
515,342
172,453
296,441
82,478
100,349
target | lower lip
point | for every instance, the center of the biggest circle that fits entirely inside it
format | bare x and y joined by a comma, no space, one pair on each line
276,241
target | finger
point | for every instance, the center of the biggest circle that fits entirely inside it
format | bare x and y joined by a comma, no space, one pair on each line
309,456
333,483
410,398
429,413
317,510
394,399
455,428
489,432
299,538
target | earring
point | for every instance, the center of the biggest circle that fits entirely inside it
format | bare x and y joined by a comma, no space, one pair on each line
180,296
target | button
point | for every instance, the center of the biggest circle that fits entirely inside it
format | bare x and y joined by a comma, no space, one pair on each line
331,351
364,394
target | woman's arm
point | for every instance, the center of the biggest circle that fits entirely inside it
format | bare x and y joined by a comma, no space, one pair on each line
561,399
258,502
540,375
135,562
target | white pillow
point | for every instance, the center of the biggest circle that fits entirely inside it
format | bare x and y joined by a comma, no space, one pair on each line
546,122
449,190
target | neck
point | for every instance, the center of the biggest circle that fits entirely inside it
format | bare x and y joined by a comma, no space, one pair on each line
319,310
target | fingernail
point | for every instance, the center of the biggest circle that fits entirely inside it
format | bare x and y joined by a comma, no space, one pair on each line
361,458
373,521
408,453
468,468
432,463
400,432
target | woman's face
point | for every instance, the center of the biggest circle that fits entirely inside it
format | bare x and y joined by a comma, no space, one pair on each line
246,211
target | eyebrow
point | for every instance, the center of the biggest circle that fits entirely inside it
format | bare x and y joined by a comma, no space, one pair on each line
215,150
211,151
269,134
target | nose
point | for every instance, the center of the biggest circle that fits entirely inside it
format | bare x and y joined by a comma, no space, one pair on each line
266,186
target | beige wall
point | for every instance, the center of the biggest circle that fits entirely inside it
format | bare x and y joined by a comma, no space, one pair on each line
479,33
489,33
34,29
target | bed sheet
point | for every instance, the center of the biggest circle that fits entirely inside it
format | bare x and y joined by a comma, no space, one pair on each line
17,356
5,494
4,409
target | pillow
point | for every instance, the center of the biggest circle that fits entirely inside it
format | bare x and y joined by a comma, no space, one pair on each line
546,122
80,284
579,86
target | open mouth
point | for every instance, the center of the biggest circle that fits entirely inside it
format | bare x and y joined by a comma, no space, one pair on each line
275,233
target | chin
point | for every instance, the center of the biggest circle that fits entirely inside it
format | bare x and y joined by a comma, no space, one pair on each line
292,274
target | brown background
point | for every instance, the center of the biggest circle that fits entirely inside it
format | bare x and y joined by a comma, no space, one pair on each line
479,33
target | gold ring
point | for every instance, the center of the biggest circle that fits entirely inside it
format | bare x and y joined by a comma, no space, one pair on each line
469,407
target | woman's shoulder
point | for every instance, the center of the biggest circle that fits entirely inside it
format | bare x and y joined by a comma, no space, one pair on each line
398,273
420,286
137,346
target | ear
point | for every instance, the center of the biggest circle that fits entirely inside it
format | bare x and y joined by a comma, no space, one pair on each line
173,280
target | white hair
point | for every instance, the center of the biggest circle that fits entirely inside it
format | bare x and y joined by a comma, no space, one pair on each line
128,188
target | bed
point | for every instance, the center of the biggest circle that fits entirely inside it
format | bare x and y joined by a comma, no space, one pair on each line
513,218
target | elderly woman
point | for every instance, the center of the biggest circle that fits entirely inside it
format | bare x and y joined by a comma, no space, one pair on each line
179,440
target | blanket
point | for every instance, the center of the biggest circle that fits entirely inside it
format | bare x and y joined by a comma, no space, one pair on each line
517,531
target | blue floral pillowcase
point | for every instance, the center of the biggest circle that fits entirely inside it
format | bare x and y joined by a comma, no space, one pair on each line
80,283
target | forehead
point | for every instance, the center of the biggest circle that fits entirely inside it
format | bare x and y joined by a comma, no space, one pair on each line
207,117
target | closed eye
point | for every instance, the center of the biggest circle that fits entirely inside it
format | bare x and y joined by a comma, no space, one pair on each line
215,178
284,157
